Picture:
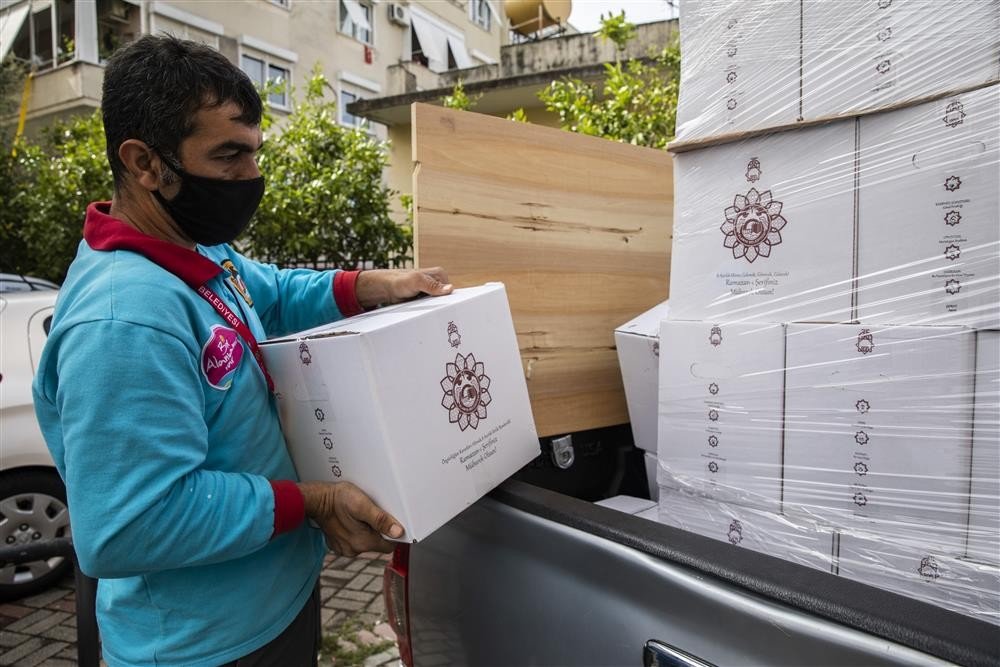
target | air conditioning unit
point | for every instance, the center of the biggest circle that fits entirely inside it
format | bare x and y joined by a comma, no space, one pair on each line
399,14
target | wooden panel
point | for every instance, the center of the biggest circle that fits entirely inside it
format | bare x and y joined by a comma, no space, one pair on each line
579,230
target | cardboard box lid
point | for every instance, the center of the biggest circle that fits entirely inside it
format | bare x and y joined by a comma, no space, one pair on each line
383,318
648,323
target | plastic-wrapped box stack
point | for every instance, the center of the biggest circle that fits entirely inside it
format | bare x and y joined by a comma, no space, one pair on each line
829,371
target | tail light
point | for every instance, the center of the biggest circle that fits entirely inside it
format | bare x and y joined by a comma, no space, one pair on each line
397,603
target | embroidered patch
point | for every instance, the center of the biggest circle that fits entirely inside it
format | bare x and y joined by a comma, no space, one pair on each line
237,282
220,357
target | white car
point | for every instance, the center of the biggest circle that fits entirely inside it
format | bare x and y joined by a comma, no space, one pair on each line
32,496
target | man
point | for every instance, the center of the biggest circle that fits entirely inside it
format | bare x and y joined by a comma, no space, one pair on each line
155,402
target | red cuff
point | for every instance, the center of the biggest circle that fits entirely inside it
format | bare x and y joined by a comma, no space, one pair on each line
344,293
289,506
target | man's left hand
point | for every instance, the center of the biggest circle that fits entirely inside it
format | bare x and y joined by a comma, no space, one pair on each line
384,286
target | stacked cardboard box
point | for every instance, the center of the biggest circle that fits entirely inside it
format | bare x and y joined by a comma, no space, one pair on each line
829,366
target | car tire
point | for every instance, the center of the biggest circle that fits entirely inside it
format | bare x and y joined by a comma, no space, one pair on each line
32,508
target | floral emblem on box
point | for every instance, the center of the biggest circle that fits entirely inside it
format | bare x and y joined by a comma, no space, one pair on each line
713,441
884,34
454,338
715,337
861,468
713,467
731,77
305,356
952,183
466,391
753,225
952,252
929,568
866,341
954,114
863,406
337,472
713,389
884,4
884,66
731,103
319,414
656,349
952,286
861,438
860,499
328,443
713,415
731,51
753,170
952,218
735,533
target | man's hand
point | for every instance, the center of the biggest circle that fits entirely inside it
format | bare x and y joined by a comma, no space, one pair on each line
384,286
352,523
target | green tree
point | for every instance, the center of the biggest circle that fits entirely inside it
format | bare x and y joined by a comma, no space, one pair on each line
51,181
635,103
325,202
459,99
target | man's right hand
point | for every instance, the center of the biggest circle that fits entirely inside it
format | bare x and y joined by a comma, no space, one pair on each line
352,523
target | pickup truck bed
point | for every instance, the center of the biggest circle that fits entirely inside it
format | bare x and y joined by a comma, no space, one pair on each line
529,576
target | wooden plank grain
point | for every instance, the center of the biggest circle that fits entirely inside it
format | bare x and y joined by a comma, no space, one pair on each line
579,230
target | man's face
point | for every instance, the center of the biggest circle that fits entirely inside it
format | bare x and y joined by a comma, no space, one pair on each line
220,147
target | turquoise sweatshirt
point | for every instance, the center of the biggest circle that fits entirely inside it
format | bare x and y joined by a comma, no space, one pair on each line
161,424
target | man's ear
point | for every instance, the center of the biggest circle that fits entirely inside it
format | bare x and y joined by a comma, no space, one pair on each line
142,163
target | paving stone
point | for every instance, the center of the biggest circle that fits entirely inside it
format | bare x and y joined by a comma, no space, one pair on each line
344,605
9,639
29,620
356,565
375,570
375,586
377,606
367,619
22,650
331,618
54,618
385,631
68,653
342,562
337,576
15,610
46,598
61,633
63,605
60,661
359,582
381,658
357,596
40,656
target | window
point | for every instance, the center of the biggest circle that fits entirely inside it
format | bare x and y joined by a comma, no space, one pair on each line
479,13
276,75
345,116
356,20
281,3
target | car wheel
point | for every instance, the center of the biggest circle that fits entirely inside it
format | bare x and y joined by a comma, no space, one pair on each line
32,509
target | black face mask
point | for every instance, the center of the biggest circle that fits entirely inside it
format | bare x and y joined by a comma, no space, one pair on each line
211,211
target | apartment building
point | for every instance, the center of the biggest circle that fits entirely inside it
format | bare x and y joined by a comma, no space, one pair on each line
366,48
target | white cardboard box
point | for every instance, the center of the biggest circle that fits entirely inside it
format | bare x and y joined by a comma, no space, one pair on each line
720,410
769,533
740,69
878,425
923,572
764,228
984,509
422,405
860,55
929,211
638,344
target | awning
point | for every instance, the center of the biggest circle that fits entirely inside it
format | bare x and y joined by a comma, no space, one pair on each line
10,24
433,43
458,51
357,14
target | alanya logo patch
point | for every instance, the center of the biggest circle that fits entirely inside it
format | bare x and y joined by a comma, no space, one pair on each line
466,391
866,341
753,225
954,114
220,357
735,533
929,568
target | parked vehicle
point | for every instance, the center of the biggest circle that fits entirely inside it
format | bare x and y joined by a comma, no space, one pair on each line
532,576
32,496
15,282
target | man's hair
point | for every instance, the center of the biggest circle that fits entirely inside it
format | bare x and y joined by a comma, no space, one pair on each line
154,86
